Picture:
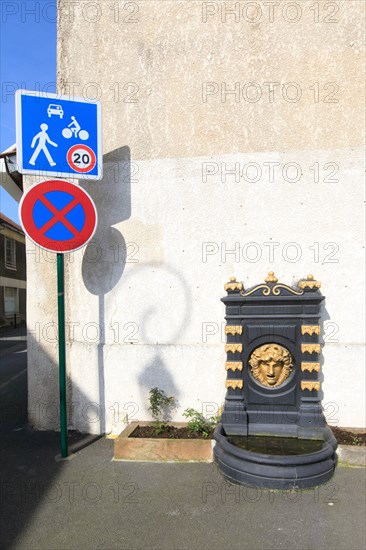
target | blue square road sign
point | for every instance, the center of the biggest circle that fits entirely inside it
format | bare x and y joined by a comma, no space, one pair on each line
58,136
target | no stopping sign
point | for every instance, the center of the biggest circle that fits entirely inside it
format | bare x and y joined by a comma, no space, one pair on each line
58,215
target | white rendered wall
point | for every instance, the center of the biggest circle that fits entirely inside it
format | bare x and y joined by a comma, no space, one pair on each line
152,316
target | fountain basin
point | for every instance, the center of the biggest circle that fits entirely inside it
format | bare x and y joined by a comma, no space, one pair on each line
286,467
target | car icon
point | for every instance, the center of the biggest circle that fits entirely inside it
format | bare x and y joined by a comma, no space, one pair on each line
54,109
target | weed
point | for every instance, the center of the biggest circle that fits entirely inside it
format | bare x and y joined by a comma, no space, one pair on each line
160,407
199,424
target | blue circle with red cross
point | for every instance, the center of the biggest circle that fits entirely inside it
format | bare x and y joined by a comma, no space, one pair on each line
58,215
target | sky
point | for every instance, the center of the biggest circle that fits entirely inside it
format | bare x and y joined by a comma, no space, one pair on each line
27,61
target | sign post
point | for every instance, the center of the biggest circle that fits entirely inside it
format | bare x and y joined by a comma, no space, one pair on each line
60,137
60,217
62,354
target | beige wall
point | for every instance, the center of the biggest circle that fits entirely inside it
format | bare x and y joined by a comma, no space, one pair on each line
171,52
171,136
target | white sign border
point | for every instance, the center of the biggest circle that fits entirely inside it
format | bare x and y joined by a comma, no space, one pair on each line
18,128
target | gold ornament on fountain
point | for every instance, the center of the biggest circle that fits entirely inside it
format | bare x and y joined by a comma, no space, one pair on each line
233,285
310,348
233,348
234,384
271,278
309,282
310,366
271,364
310,329
310,385
234,365
234,329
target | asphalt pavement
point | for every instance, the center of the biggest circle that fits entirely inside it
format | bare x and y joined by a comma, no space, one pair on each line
93,502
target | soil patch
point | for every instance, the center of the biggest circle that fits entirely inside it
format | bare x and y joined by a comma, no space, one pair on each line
169,432
343,437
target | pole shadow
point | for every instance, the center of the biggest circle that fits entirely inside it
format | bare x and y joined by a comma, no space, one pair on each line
112,198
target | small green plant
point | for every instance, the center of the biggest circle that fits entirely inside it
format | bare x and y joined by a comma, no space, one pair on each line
160,407
199,424
357,440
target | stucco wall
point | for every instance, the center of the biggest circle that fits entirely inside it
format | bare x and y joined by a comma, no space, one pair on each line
201,184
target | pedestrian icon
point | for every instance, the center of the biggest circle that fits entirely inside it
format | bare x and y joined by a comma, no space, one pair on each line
75,128
42,138
58,136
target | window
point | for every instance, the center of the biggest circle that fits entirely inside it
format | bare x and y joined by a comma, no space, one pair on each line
10,254
11,302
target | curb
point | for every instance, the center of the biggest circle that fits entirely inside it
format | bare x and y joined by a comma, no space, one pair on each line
149,449
352,454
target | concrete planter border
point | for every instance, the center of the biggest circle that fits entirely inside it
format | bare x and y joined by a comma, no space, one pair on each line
131,449
352,455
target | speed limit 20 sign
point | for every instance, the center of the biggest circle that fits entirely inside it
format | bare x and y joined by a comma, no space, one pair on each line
81,158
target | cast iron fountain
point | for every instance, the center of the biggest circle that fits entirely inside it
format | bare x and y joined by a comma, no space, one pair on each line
273,431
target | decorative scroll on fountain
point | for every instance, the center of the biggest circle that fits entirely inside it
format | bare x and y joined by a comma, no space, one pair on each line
273,387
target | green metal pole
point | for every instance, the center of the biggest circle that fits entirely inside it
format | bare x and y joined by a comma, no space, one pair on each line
62,353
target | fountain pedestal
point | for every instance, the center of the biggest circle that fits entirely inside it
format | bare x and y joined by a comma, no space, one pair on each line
273,431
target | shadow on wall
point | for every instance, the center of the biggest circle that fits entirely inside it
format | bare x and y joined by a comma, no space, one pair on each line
112,198
155,373
325,318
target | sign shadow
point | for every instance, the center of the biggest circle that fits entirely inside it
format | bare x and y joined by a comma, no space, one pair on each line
105,256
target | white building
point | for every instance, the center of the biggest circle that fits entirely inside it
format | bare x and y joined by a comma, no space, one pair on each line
233,145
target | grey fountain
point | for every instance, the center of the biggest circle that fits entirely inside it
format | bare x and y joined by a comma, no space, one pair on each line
273,431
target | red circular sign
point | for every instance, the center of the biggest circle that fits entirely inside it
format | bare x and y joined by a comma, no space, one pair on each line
81,158
58,215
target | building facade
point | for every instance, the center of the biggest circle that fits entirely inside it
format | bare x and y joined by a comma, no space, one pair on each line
12,273
233,140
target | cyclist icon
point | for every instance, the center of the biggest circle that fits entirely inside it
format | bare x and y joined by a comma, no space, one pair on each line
75,128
